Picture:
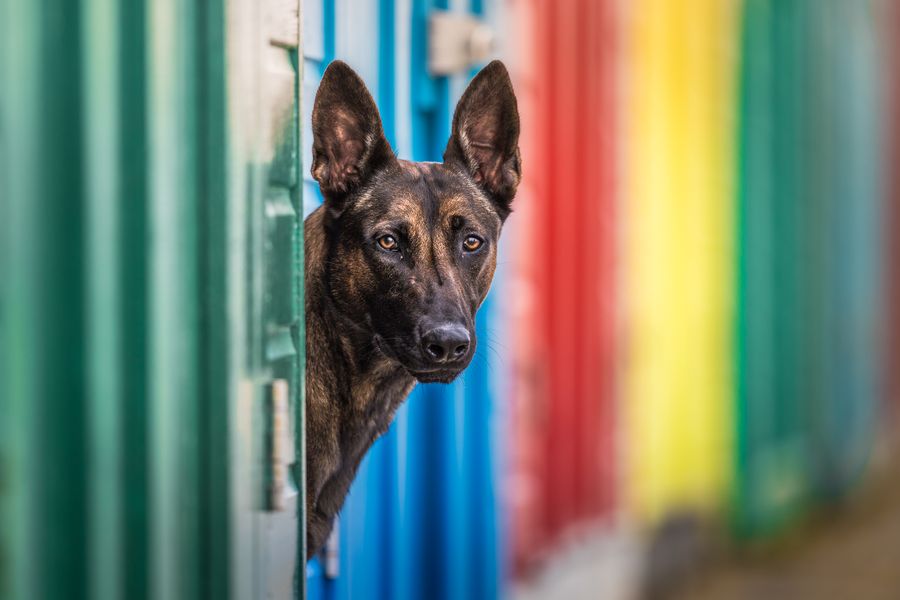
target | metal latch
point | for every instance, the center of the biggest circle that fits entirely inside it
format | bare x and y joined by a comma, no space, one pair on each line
457,42
280,486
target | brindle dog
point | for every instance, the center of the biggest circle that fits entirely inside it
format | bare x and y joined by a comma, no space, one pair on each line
398,260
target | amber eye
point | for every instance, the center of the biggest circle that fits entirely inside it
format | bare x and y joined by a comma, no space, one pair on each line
388,242
472,243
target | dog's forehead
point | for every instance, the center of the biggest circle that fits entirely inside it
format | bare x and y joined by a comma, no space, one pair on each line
436,181
426,192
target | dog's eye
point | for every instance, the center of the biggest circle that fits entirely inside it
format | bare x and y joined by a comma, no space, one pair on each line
472,243
388,242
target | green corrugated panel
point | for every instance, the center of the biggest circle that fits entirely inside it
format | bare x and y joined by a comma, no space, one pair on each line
103,336
19,310
190,335
776,318
809,255
151,273
133,287
44,322
173,292
822,109
114,334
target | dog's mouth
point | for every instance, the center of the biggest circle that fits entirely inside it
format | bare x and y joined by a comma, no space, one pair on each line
413,365
435,376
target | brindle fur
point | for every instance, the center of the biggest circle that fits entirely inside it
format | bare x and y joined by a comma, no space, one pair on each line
365,306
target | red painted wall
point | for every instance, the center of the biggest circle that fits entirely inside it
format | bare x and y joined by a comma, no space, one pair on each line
562,322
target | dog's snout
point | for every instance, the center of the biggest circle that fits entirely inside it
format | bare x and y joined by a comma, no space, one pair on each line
446,343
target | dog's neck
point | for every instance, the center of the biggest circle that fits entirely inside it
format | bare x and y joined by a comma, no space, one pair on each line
352,392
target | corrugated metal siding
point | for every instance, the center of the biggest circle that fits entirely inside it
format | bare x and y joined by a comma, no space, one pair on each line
132,449
678,254
43,312
563,315
810,291
773,446
853,249
892,64
420,519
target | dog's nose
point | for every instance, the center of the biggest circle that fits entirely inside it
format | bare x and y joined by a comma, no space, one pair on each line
446,343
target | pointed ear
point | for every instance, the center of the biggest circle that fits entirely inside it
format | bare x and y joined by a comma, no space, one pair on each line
485,136
348,140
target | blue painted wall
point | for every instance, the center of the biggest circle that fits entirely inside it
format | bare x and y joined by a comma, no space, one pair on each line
421,519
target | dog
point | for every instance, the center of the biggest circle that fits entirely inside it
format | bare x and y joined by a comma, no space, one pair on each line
398,259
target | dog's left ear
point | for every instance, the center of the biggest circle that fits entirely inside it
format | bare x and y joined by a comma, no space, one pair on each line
485,137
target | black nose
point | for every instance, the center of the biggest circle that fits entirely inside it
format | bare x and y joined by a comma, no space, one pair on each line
446,343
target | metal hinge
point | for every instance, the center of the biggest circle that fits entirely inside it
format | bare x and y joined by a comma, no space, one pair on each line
457,42
283,23
280,452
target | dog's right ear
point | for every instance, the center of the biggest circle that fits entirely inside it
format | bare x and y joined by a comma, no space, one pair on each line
348,139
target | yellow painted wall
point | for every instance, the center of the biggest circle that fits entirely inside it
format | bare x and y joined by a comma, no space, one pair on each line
678,208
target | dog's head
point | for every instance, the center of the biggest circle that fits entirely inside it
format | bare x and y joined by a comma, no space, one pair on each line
413,246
